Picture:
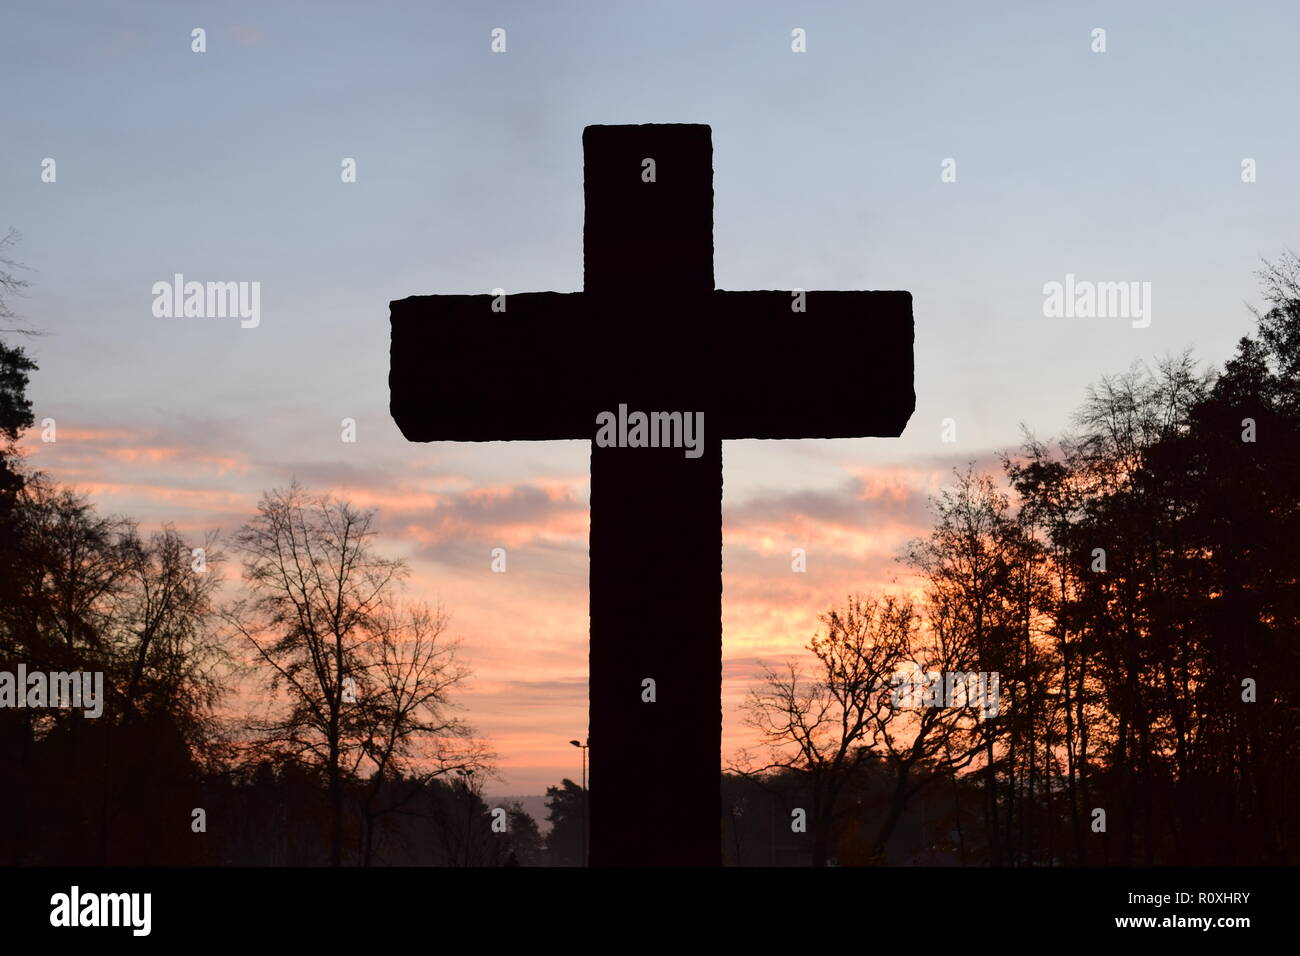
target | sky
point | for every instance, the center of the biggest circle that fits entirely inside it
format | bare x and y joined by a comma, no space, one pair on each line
829,173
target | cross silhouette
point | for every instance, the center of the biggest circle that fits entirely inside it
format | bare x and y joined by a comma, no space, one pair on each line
649,331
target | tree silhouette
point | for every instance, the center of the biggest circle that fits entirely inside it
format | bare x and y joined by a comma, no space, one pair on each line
566,807
1134,584
362,677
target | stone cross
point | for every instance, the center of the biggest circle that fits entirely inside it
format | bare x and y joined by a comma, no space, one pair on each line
650,334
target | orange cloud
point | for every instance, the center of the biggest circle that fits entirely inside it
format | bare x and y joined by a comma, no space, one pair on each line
525,633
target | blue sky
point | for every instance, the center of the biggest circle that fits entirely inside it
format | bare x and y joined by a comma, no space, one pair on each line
1115,166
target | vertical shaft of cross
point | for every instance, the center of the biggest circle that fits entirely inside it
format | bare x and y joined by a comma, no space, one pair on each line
656,524
656,603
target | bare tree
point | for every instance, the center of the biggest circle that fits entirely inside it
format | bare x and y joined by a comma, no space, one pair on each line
823,728
360,680
965,567
942,739
10,283
406,701
72,573
171,659
85,592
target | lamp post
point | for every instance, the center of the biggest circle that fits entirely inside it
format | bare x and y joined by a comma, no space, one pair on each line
584,748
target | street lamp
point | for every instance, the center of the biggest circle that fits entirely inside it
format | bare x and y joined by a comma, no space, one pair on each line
584,748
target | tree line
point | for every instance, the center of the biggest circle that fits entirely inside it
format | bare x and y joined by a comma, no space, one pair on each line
1134,586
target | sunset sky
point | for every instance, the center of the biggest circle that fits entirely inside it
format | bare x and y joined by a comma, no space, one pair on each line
225,166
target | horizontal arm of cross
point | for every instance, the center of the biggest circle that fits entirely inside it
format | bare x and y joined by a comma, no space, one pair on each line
546,366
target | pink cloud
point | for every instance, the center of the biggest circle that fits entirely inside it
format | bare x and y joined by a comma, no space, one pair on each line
524,633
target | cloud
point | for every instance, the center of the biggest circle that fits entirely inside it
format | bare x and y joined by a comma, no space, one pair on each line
547,516
525,633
